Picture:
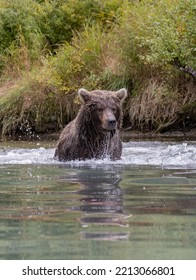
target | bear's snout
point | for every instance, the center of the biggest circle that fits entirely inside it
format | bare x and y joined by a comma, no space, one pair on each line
112,123
108,120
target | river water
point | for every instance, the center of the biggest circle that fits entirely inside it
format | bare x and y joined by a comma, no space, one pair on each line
140,207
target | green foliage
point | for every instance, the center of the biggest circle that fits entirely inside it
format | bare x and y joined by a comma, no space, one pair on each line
9,111
21,41
60,18
79,61
34,106
17,17
93,60
39,26
163,31
50,48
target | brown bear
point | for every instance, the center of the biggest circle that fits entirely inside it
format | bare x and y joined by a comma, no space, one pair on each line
94,133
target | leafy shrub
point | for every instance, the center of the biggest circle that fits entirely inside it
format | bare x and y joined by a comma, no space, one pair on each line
37,26
21,42
56,47
59,19
32,106
162,31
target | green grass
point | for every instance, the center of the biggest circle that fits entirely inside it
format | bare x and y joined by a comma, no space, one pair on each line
132,44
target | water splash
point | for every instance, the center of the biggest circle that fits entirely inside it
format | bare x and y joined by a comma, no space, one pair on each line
155,153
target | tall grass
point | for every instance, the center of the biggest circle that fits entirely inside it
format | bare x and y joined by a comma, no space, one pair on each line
92,60
132,44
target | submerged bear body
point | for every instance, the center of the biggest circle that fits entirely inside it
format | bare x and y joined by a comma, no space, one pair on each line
94,133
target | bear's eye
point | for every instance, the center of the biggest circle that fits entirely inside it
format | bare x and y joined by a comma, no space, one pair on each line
99,110
114,109
92,106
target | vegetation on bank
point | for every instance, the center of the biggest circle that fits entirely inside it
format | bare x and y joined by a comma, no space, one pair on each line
51,48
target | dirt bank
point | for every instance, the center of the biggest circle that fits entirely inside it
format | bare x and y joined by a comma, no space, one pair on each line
126,136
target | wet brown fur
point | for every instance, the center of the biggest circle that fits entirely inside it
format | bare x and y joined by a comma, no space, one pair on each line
94,133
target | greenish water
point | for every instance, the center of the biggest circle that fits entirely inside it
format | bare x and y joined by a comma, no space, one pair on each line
95,210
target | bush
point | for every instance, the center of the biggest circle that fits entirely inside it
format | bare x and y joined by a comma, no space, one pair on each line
59,19
21,42
60,46
162,31
29,28
91,61
32,106
158,39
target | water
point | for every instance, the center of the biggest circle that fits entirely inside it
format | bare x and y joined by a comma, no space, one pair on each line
140,207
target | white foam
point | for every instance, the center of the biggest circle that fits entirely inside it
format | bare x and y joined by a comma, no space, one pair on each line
26,156
134,153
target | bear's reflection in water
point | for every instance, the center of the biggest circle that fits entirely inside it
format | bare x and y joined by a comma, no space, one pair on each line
101,208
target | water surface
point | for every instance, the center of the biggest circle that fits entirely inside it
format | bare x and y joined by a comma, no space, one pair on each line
140,207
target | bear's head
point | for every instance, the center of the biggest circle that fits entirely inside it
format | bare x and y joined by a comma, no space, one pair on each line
103,108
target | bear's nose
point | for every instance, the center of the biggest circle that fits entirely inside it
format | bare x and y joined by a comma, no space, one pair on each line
112,122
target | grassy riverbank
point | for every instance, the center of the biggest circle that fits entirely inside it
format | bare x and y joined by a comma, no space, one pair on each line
49,49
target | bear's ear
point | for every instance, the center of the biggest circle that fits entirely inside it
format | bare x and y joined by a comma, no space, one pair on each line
84,95
121,94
